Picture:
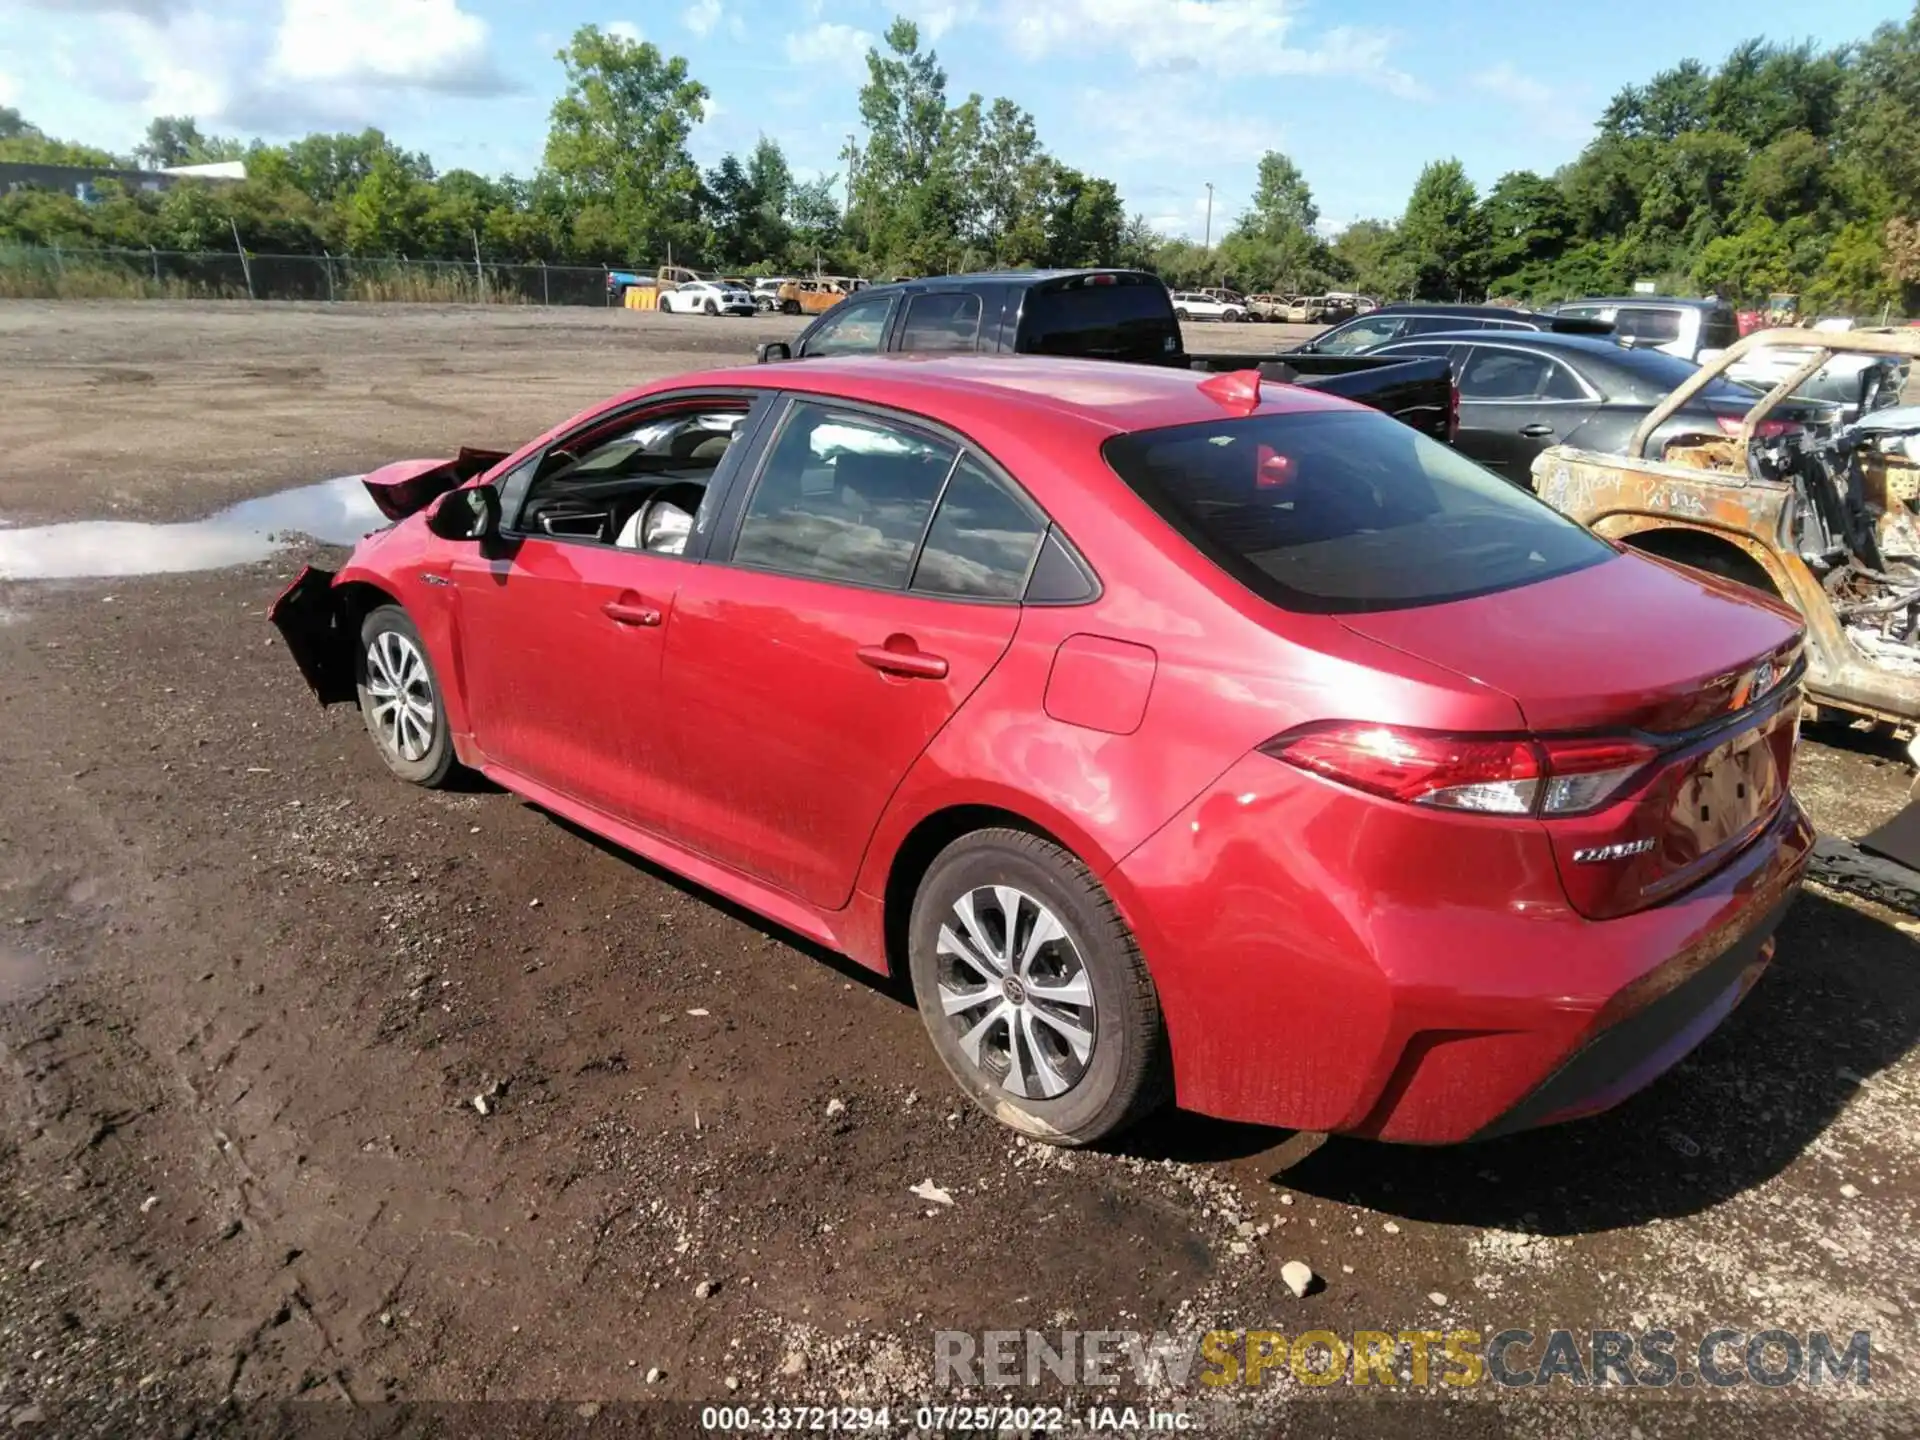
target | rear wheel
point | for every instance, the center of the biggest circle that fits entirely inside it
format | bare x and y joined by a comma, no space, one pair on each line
789,307
1033,989
400,699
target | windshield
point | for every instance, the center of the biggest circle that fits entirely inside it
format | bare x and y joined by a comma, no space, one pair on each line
1340,511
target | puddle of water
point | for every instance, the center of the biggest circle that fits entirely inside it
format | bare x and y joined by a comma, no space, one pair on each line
337,512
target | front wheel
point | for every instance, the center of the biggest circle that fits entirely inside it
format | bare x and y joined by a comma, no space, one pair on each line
713,307
1033,989
789,307
400,699
1179,314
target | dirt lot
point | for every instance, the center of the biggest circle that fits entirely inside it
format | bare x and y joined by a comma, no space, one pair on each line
250,987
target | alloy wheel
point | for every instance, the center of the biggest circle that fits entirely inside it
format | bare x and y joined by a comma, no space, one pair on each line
1014,988
402,694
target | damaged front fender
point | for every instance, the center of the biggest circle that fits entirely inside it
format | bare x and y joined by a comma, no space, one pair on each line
311,616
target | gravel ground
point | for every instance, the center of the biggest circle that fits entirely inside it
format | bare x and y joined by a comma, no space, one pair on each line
250,989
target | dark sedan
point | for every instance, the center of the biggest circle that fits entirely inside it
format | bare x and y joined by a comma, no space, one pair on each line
1521,392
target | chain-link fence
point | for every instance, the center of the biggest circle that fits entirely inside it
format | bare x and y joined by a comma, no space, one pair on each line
54,273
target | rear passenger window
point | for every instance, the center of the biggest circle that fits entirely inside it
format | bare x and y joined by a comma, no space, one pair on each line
982,542
937,323
843,497
1516,375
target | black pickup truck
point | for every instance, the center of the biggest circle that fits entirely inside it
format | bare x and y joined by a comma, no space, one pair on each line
1124,315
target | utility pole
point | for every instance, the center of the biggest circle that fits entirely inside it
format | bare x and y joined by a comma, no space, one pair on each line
853,159
1206,245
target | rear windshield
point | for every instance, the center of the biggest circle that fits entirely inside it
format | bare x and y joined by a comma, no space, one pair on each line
1129,318
1653,327
1338,511
1655,372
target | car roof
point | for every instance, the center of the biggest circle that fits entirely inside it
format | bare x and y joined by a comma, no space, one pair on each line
1542,339
1002,393
1026,278
1596,346
1488,312
1658,301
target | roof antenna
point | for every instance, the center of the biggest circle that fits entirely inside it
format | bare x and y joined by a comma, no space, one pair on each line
1237,391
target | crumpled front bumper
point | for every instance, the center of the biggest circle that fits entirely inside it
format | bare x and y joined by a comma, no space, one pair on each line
310,618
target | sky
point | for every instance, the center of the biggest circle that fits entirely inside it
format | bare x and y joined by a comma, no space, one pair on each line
1161,96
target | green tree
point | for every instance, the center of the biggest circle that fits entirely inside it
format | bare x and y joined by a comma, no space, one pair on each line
1881,105
12,127
1441,237
912,202
176,140
1085,219
386,211
1527,224
1368,257
1282,200
618,142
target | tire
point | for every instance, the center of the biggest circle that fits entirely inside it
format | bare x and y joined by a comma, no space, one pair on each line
789,307
388,637
1179,314
1029,1074
713,307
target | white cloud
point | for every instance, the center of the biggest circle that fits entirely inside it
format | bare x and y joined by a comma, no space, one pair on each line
701,16
1509,84
1179,122
1224,37
420,44
276,69
830,45
936,17
623,30
1561,111
143,9
9,89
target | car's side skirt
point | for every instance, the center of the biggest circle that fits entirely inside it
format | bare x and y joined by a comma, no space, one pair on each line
776,905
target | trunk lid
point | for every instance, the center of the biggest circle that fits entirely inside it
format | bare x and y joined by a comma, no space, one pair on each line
405,486
1708,673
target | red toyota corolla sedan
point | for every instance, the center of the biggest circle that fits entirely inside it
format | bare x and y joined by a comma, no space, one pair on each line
1178,737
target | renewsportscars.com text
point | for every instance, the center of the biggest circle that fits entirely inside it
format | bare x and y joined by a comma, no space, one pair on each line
1222,1359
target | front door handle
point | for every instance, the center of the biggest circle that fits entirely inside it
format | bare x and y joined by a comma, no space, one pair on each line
627,612
913,663
1536,431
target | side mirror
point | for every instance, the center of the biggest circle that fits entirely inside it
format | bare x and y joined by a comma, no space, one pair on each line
771,351
472,513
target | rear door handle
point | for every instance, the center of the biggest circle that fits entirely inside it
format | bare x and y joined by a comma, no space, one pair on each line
627,612
915,664
1536,431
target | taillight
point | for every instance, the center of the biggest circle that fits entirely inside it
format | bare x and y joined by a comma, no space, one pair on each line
1492,775
1766,430
1453,413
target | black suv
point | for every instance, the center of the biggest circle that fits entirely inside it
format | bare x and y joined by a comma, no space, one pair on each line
1402,321
1095,314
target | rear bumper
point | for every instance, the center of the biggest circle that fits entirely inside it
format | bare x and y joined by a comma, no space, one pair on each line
1627,1056
1330,962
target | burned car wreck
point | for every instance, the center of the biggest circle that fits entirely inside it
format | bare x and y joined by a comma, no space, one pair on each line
1822,517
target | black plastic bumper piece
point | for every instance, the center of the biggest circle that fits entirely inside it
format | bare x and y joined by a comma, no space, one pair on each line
1629,1055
